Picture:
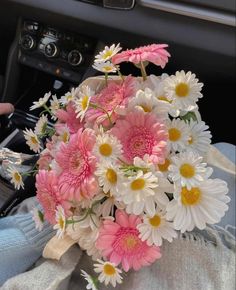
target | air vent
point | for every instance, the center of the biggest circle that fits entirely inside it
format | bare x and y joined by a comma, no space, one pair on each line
112,4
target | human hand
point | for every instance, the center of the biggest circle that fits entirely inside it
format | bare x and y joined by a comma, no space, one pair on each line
6,108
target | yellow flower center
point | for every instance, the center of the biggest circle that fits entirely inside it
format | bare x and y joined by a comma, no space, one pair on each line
69,97
107,54
109,270
34,140
190,197
111,175
187,170
107,68
17,176
174,134
164,98
182,90
146,108
190,140
84,103
61,222
105,149
138,184
130,242
65,137
155,221
164,167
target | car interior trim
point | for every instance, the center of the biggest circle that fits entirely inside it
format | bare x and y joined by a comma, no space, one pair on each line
191,11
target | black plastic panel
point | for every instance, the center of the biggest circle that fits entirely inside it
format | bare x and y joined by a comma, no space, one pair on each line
227,5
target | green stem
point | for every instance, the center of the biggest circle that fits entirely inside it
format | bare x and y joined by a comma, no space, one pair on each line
122,161
88,212
28,173
143,71
47,109
97,202
91,216
119,73
68,222
100,108
132,167
50,132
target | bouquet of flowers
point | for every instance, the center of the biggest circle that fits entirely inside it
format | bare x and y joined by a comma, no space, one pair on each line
123,168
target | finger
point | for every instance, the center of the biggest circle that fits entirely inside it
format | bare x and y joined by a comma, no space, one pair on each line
6,108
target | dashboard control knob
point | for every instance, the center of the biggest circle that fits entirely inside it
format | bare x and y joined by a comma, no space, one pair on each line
51,49
27,42
74,57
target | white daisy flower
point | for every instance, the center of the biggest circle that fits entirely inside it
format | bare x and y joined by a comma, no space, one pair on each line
160,198
105,67
41,125
69,96
54,107
143,100
63,133
82,102
38,218
146,102
41,102
109,273
165,101
60,226
16,178
143,192
184,90
155,228
32,140
187,169
157,85
178,132
164,166
91,282
109,177
144,163
107,147
200,137
108,53
199,205
107,208
163,109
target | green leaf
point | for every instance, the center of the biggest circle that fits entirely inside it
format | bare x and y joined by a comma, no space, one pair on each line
41,216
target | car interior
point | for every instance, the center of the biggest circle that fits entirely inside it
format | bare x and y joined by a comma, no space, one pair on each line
49,45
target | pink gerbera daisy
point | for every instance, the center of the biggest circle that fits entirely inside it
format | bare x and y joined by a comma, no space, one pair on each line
119,242
155,53
78,165
110,98
68,116
141,134
48,194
